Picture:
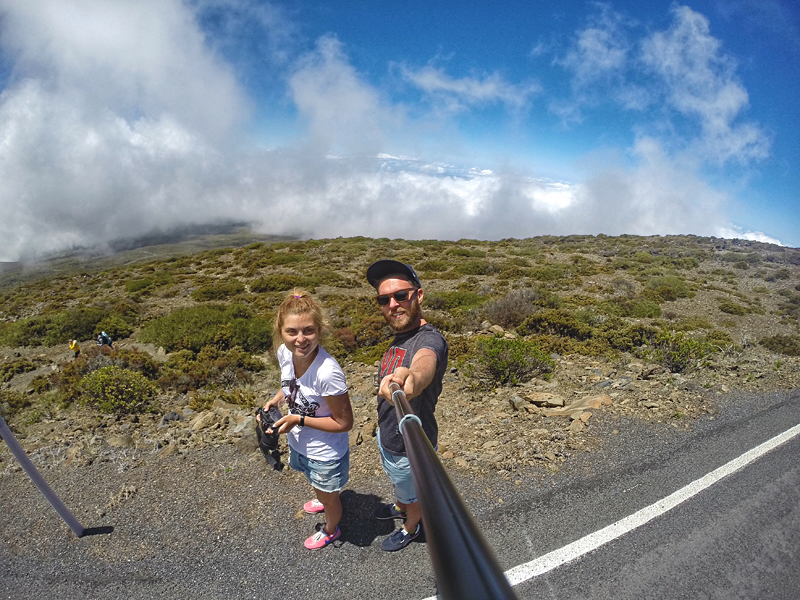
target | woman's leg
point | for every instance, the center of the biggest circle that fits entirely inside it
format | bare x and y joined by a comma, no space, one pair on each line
333,509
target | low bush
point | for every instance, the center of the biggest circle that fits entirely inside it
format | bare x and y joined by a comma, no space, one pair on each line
15,367
115,390
185,371
555,322
622,306
680,353
12,402
782,344
510,362
276,283
666,289
516,306
732,308
217,325
218,290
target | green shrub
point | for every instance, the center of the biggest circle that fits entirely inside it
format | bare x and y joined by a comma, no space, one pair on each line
12,402
15,367
547,273
474,267
276,283
454,300
510,362
555,322
435,266
222,326
40,384
622,306
731,307
782,344
219,290
185,371
115,390
720,339
115,326
666,289
679,353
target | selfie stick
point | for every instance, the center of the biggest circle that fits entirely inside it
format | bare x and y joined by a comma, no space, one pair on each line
36,477
464,565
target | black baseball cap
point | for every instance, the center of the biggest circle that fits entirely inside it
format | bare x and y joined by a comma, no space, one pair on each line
380,270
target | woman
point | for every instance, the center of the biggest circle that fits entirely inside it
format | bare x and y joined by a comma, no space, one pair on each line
320,415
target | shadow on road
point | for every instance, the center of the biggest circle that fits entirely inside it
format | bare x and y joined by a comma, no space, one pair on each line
358,526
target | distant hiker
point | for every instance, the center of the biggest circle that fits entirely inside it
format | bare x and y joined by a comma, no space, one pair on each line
416,361
75,347
320,414
103,339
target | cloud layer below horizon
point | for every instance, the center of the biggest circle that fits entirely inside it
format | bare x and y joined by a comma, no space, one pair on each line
120,119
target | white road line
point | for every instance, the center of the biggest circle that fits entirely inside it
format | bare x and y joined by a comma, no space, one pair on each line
578,548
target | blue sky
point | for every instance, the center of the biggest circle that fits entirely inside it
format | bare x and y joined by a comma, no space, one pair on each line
442,120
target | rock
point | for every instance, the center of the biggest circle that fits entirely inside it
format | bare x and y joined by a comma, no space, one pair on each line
247,442
490,444
496,329
550,456
579,406
485,325
448,455
650,404
121,441
517,402
586,416
203,420
545,399
603,384
160,351
577,426
461,462
167,418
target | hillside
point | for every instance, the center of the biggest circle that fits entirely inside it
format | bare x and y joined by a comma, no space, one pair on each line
546,335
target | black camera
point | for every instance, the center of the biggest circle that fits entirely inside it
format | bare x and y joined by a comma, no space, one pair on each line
268,442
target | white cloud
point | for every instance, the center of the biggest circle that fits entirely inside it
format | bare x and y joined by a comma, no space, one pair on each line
755,236
103,136
456,95
599,51
701,84
344,112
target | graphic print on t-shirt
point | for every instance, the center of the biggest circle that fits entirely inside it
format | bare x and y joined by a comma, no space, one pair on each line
391,360
298,403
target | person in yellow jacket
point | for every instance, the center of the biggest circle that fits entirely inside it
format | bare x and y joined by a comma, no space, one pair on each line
75,347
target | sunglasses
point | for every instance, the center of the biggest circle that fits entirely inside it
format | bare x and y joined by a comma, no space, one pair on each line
399,296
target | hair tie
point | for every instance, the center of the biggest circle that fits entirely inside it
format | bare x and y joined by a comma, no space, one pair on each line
297,296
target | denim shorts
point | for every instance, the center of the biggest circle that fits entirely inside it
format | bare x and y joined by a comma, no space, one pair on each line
326,476
397,467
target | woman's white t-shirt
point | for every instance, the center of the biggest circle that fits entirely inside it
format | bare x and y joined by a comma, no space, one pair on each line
306,396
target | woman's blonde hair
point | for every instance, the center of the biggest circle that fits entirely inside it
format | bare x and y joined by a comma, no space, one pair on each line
299,302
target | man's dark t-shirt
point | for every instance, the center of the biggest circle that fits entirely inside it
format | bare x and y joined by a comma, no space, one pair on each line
400,354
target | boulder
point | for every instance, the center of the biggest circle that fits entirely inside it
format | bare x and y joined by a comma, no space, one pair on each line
579,406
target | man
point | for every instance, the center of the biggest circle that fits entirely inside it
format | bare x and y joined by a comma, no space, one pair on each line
416,361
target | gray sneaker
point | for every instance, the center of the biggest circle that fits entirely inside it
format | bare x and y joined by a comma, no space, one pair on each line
400,539
385,512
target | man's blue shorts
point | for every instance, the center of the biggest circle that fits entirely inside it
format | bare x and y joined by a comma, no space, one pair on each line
397,467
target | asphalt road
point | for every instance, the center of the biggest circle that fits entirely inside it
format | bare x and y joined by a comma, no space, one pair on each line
197,530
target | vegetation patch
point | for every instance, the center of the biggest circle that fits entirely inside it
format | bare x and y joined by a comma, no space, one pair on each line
510,362
112,389
680,353
217,325
782,344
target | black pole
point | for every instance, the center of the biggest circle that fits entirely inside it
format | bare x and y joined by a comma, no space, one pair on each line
464,564
8,437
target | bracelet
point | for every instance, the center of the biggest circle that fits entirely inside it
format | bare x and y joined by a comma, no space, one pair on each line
302,420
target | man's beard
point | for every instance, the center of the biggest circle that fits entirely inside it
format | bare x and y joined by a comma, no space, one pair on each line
411,315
